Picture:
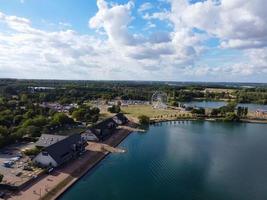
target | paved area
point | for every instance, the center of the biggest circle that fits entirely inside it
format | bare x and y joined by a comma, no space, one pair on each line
72,171
15,166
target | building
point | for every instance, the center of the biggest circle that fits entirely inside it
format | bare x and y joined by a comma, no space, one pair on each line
46,140
58,150
105,128
261,113
120,119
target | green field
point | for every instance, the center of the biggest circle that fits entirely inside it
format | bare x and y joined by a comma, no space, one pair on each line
148,110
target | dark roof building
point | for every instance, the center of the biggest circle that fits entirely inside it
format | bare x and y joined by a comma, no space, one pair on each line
120,119
106,127
60,151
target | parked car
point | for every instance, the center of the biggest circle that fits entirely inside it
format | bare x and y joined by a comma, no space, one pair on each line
8,163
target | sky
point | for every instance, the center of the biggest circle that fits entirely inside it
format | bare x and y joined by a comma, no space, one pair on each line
160,40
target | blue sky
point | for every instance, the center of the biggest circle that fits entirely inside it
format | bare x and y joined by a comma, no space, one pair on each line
178,40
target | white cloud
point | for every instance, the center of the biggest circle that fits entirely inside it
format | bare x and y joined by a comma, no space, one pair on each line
28,52
238,23
114,20
145,6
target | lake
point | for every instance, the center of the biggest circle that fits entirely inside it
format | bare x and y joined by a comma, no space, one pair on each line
217,104
185,161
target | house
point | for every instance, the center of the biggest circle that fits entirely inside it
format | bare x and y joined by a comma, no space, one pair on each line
59,151
105,128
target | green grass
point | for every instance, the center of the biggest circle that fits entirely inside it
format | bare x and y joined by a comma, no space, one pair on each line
148,110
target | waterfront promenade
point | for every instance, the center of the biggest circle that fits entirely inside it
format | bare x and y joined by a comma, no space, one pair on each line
53,185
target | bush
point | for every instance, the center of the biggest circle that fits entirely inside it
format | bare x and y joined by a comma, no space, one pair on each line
32,152
114,109
215,112
86,114
61,119
144,120
231,116
198,111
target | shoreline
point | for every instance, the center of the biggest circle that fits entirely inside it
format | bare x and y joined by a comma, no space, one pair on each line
123,134
256,121
54,185
68,175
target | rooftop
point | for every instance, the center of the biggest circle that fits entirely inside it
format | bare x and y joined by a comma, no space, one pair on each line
46,140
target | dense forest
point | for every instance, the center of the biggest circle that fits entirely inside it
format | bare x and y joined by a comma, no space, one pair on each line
79,91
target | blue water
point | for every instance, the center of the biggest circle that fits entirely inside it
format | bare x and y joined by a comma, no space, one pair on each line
185,161
217,104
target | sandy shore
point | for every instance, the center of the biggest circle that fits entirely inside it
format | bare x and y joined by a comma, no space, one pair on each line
48,187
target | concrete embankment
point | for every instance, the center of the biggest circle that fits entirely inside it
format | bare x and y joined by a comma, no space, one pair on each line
93,159
52,186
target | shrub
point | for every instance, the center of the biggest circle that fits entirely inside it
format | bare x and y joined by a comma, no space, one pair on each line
32,152
144,120
114,109
231,116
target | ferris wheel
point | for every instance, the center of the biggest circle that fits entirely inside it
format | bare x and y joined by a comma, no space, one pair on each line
159,100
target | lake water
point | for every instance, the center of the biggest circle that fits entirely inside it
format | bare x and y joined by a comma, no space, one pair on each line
217,104
185,161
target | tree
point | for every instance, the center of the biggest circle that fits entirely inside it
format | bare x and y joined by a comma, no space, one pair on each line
4,136
119,103
17,119
144,120
231,116
78,114
215,112
242,111
32,152
1,177
3,131
33,131
86,114
95,110
174,103
114,109
239,111
62,119
198,111
246,111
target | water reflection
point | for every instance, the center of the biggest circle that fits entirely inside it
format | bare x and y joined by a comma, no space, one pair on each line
190,161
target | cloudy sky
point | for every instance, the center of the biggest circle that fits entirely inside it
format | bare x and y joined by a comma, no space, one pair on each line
176,40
